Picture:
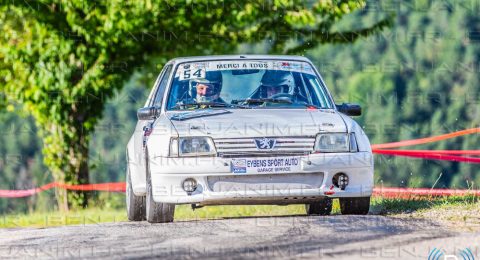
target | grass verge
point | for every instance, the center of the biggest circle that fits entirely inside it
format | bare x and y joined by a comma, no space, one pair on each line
458,212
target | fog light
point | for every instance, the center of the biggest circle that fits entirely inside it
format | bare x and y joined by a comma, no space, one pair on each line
189,185
340,180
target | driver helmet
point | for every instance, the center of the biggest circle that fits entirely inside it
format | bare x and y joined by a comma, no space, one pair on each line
275,82
206,89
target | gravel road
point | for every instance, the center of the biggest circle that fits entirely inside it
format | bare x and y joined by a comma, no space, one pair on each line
287,237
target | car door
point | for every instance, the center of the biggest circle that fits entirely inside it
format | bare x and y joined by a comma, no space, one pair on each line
135,150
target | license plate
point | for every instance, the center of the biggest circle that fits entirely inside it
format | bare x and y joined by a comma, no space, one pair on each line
266,165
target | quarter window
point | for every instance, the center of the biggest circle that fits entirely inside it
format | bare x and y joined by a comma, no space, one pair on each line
161,88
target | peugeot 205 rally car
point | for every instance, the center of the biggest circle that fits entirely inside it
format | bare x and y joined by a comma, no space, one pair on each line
223,130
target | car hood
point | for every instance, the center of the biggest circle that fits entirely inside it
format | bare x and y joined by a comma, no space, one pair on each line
235,123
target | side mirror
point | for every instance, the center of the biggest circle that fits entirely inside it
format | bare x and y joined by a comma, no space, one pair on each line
147,113
350,109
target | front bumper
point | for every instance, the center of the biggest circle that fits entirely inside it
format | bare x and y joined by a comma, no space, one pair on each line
217,184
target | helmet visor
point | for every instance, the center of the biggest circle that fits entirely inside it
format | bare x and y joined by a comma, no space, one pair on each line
275,89
205,89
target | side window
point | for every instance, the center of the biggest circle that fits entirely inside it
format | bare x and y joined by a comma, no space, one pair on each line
157,102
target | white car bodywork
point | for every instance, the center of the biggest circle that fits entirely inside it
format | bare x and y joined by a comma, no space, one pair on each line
296,175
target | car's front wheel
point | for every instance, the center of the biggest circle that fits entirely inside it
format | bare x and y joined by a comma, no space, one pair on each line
322,207
157,212
355,206
135,204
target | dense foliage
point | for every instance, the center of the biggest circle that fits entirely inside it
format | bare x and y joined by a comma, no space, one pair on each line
417,79
61,60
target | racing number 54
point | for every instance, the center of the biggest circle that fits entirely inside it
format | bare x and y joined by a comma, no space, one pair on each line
197,74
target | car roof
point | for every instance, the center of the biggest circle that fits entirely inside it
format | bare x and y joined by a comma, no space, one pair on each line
238,57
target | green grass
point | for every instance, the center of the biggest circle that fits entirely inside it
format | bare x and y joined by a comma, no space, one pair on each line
459,213
401,206
56,218
182,212
450,210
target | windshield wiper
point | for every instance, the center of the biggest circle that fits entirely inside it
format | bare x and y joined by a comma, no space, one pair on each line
274,100
205,104
249,101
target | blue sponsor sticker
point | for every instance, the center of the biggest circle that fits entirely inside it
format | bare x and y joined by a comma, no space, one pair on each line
239,166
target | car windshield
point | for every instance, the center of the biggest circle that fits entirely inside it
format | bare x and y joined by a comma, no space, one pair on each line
247,84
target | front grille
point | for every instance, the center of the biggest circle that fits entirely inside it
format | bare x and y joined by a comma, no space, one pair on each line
246,147
265,182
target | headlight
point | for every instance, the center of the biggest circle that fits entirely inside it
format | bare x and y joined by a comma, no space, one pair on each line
336,143
192,146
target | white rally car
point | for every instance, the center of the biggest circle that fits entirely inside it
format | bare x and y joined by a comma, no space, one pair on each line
222,130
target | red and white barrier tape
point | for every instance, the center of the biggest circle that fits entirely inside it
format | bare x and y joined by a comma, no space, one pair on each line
111,187
445,155
386,192
430,155
393,192
427,139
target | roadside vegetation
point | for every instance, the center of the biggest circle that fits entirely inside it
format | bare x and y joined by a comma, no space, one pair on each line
454,212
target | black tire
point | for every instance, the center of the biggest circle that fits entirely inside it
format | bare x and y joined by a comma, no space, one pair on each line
157,212
322,207
135,204
355,206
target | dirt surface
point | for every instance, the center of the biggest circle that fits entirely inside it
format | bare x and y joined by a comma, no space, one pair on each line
339,237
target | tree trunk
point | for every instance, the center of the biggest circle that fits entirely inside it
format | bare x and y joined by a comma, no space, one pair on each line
61,196
82,174
67,158
77,164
